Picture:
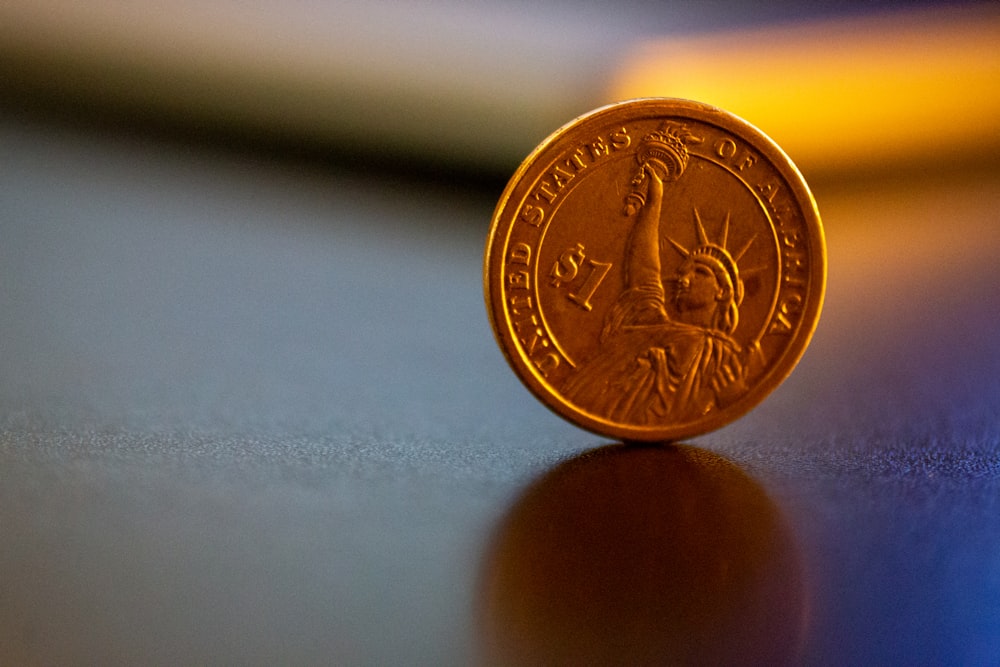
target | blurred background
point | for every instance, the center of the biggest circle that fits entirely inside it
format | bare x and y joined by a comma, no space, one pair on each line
471,87
251,411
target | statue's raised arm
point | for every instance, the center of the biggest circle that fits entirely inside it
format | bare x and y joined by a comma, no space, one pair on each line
662,157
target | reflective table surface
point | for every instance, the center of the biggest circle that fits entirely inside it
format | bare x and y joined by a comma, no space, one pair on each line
253,413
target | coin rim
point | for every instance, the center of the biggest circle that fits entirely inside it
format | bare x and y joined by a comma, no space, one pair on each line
673,109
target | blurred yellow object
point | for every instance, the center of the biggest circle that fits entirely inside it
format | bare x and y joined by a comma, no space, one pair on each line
848,94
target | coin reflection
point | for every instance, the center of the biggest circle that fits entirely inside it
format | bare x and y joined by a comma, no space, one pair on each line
642,555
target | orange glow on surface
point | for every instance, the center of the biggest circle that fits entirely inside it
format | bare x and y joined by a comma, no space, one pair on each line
843,94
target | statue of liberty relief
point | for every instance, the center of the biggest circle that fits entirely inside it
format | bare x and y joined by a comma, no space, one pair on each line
652,367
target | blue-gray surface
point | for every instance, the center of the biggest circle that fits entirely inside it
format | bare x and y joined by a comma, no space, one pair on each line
255,415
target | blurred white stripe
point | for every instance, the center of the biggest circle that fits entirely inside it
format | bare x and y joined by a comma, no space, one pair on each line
464,80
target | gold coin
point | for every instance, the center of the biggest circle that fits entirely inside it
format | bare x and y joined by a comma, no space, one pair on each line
654,269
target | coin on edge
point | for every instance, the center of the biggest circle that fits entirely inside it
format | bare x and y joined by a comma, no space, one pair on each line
654,269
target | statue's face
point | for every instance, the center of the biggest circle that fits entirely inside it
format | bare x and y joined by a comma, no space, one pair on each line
695,287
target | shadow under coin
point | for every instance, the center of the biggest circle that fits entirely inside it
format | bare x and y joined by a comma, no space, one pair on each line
642,556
